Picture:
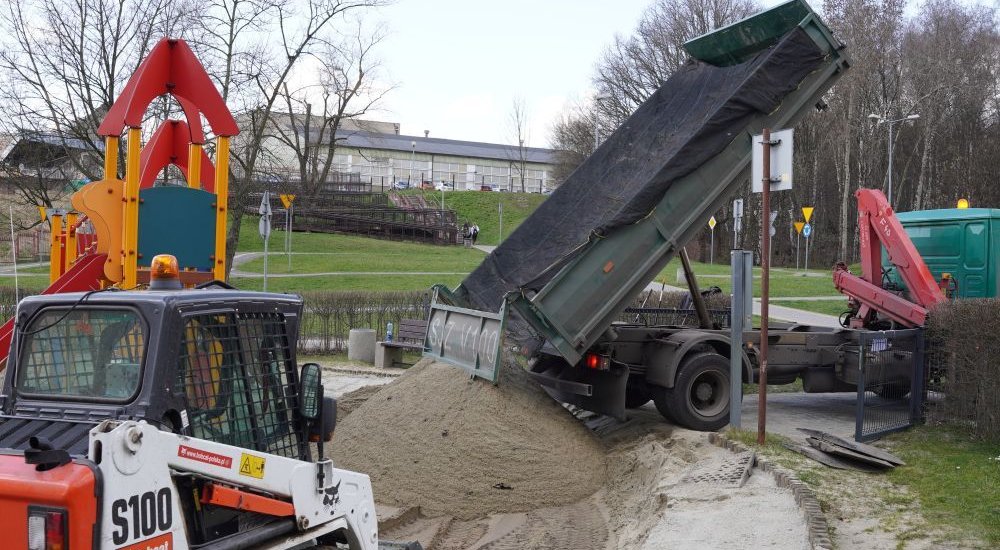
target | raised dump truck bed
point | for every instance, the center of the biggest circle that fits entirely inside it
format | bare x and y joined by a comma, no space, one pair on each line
605,233
564,276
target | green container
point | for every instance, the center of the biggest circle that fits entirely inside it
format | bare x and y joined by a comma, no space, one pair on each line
962,242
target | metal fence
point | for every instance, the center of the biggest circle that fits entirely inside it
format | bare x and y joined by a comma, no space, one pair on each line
890,370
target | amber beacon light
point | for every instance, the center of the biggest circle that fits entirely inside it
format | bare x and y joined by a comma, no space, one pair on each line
164,273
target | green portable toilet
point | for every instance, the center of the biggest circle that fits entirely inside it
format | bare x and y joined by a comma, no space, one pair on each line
962,242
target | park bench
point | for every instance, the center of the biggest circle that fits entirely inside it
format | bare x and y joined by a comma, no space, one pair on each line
409,336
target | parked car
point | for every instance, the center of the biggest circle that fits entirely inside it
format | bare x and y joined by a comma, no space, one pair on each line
489,187
401,185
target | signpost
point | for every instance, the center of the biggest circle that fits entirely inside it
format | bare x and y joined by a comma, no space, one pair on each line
264,227
711,249
798,236
288,200
807,212
806,232
768,176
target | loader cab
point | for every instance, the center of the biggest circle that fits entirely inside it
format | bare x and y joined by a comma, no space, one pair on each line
216,364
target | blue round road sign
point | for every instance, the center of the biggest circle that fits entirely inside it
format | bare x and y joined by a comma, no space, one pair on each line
807,230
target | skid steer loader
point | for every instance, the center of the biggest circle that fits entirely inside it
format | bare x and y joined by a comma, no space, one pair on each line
170,419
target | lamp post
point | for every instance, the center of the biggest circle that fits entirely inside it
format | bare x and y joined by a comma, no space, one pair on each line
597,117
413,154
891,122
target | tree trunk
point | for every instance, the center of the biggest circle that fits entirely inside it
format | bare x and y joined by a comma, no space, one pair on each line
846,187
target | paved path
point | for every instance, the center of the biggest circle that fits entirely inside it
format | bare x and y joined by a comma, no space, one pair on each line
830,412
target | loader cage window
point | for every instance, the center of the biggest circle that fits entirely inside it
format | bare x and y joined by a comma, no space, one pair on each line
82,353
234,370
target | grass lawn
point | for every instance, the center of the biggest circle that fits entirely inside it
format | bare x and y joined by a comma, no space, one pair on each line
783,281
346,282
27,281
956,480
335,253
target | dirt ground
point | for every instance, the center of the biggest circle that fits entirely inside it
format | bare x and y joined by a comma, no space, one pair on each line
662,488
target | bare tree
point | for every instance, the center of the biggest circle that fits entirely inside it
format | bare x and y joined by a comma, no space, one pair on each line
633,67
63,63
253,73
346,89
518,125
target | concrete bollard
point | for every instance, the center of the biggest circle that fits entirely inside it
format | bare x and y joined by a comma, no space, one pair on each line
361,345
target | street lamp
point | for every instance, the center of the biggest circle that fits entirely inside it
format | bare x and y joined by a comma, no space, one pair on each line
597,117
882,120
413,154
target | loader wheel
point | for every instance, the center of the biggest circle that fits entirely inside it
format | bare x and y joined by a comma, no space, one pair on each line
699,399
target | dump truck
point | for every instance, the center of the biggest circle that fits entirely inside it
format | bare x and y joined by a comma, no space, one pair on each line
554,289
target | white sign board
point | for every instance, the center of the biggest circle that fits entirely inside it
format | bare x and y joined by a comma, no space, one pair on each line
781,161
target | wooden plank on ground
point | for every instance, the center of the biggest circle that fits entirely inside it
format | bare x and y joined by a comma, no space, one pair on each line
861,448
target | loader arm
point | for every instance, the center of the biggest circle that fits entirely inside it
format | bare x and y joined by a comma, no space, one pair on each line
878,228
142,505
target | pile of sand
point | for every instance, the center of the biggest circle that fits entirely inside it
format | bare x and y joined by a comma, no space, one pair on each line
433,438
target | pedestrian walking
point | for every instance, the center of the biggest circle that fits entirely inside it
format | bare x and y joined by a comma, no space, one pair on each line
475,233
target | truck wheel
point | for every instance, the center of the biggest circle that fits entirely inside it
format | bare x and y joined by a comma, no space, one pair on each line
699,399
636,394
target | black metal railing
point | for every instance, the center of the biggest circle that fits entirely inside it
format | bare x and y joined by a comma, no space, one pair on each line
890,366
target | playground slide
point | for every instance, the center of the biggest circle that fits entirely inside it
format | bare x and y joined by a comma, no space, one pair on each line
84,275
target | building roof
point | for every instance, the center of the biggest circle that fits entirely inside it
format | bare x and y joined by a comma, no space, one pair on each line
438,146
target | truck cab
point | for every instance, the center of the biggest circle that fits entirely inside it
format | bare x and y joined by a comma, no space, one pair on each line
207,365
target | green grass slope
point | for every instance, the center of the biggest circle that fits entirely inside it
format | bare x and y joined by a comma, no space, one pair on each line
483,208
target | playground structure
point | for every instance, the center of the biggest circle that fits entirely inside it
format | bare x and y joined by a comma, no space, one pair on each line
132,219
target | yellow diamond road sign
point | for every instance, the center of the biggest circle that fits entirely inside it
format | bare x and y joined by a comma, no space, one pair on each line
711,222
287,200
798,226
807,212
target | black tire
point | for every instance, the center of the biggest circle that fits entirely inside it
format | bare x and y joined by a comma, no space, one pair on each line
699,399
636,394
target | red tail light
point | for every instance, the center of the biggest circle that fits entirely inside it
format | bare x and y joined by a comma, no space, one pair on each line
47,528
597,362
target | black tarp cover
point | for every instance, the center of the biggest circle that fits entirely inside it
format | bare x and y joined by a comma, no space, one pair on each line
695,114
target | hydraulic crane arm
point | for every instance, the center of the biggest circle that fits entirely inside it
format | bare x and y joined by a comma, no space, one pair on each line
880,228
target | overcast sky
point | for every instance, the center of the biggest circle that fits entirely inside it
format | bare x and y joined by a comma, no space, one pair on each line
460,63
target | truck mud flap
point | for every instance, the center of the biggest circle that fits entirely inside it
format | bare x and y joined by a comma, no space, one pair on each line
596,391
467,338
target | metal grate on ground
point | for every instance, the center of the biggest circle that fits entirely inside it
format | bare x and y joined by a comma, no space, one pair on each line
235,370
733,472
890,366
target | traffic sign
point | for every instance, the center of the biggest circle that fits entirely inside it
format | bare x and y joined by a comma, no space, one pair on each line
711,222
807,212
287,200
798,226
781,161
265,204
807,230
264,226
41,212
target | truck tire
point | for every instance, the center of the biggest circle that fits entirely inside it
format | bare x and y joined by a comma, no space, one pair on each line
699,399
